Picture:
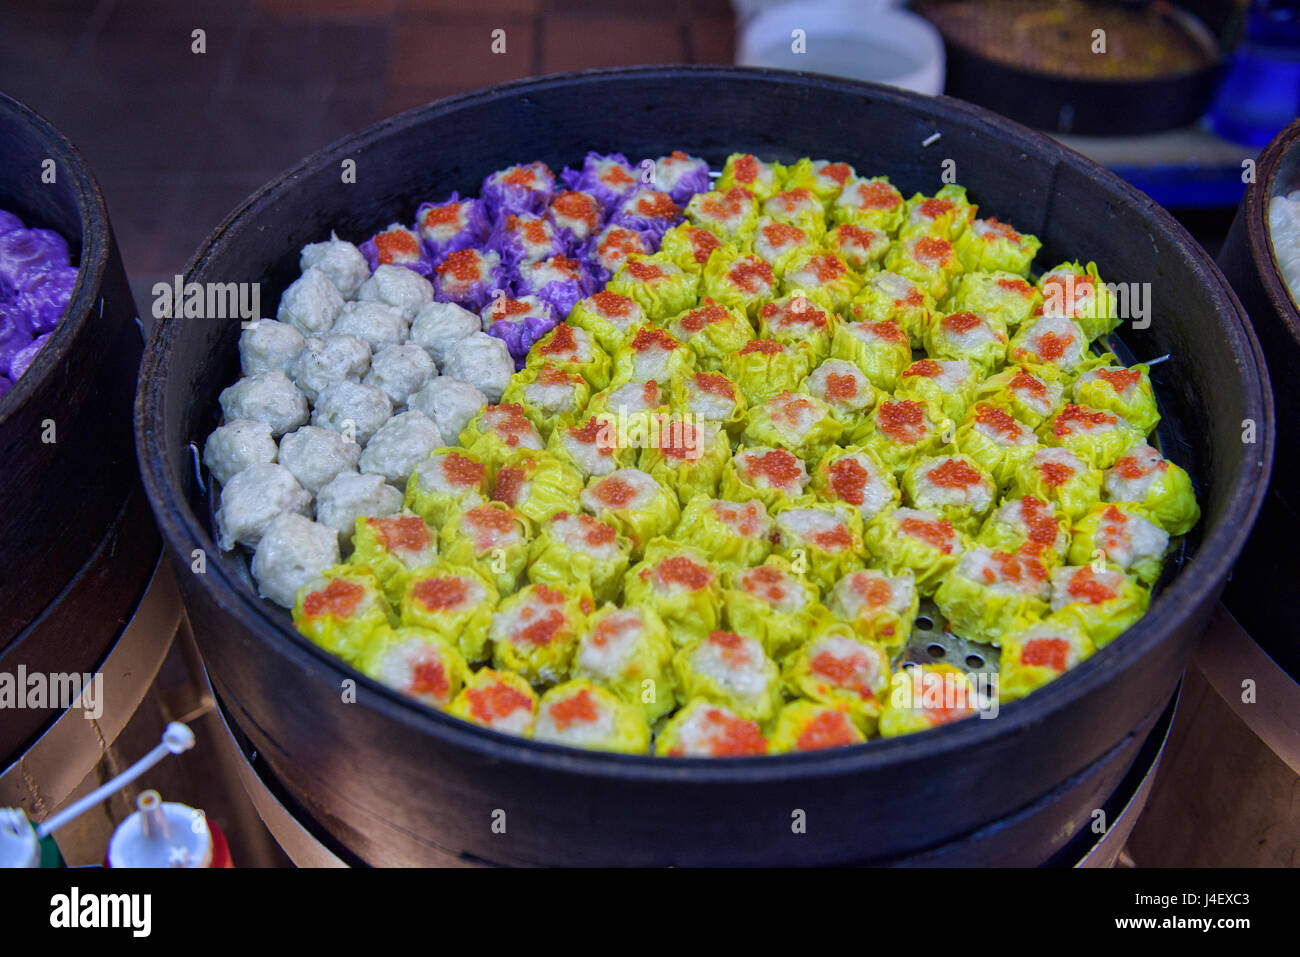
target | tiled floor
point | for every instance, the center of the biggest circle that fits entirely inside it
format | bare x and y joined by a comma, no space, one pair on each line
179,138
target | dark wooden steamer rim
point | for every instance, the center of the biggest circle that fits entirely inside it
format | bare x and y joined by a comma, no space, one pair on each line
1263,594
77,542
989,753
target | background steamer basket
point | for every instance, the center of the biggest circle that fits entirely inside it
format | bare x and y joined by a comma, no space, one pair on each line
1262,594
77,542
398,783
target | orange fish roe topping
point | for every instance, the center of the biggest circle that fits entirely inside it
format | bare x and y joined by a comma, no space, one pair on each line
465,265
937,533
999,421
729,736
650,393
830,729
934,208
498,700
614,492
612,304
932,250
962,322
1055,474
657,206
448,215
849,672
339,598
520,176
397,245
902,420
430,678
872,590
509,486
742,518
595,532
792,199
841,388
709,312
1121,380
745,169
620,243
715,384
926,368
752,275
848,480
545,629
1022,381
777,466
834,539
490,519
536,231
680,570
782,234
1051,653
1131,467
1085,586
441,594
560,340
1052,345
888,330
574,205
769,347
405,533
855,235
616,175
580,707
503,308
840,172
766,582
954,473
653,337
1015,568
460,470
643,271
828,267
998,229
877,195
1016,285
508,419
703,243
1079,418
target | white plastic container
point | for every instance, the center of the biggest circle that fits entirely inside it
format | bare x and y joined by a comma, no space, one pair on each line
859,39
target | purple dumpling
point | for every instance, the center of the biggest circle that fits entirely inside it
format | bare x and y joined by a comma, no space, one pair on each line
681,176
24,357
470,277
396,246
451,225
519,323
526,188
24,249
46,295
561,280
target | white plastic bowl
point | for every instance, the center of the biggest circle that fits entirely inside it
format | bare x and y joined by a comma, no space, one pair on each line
862,40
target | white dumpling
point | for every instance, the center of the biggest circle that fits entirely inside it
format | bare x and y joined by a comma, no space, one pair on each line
439,326
351,496
339,260
269,344
292,552
268,397
310,304
397,286
327,360
404,441
449,403
252,499
315,455
377,323
353,409
235,446
400,370
484,362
